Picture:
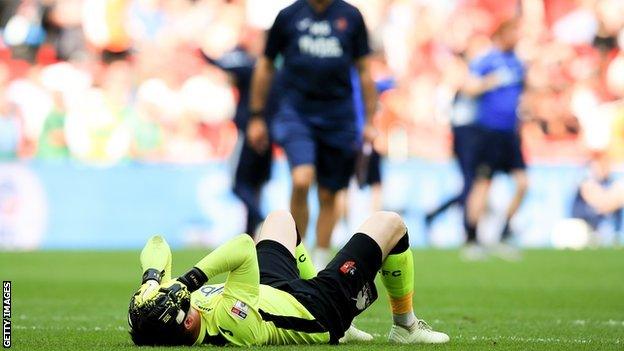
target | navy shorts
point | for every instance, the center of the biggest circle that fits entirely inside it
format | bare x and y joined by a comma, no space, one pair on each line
501,151
339,293
327,139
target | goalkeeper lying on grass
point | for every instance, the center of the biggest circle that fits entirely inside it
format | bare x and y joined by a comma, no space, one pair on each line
272,296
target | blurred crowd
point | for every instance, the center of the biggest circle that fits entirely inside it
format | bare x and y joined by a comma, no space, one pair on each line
104,81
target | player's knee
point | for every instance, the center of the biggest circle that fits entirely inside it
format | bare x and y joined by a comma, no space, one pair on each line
392,220
326,197
281,216
302,178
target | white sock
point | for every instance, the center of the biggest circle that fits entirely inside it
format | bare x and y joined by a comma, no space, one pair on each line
321,257
404,319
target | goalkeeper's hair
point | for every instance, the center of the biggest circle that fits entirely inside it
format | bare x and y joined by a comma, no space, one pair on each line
155,322
175,335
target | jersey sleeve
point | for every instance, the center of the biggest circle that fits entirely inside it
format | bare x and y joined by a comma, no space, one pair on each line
361,46
480,67
238,257
276,38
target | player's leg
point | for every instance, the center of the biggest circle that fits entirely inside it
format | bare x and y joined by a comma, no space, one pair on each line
325,225
302,178
397,275
476,204
342,212
480,163
433,214
517,169
388,230
276,247
522,183
460,150
252,171
334,167
292,132
279,227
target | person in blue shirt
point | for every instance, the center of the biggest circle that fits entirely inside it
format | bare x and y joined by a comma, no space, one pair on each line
315,122
497,82
253,167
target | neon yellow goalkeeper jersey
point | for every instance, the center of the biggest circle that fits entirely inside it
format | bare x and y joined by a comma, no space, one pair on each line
244,312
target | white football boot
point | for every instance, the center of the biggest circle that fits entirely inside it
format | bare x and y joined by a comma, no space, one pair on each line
354,334
419,333
506,252
473,253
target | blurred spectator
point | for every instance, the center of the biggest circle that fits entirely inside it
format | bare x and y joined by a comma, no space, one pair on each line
573,51
600,198
589,205
10,130
24,31
52,143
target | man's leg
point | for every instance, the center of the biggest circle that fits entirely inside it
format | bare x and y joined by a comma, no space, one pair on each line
250,196
433,214
334,169
480,166
279,226
522,183
515,166
324,226
475,207
388,230
252,171
302,178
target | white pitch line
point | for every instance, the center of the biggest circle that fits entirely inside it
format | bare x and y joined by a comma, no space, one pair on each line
453,337
537,340
576,322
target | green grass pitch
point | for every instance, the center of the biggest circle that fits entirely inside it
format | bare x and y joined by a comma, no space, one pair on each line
552,300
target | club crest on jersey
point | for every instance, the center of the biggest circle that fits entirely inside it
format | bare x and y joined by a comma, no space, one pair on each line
240,309
341,24
348,268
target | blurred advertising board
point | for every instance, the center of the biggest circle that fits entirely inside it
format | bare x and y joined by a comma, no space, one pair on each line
73,206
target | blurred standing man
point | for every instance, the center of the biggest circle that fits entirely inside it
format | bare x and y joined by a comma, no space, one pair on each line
465,141
497,81
320,41
253,166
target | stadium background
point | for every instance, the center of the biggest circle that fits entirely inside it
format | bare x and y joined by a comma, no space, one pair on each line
112,128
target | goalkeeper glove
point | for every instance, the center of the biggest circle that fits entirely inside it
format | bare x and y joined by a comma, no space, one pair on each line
150,283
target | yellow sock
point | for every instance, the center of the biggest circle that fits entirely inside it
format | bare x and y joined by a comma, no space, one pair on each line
397,275
157,255
304,263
